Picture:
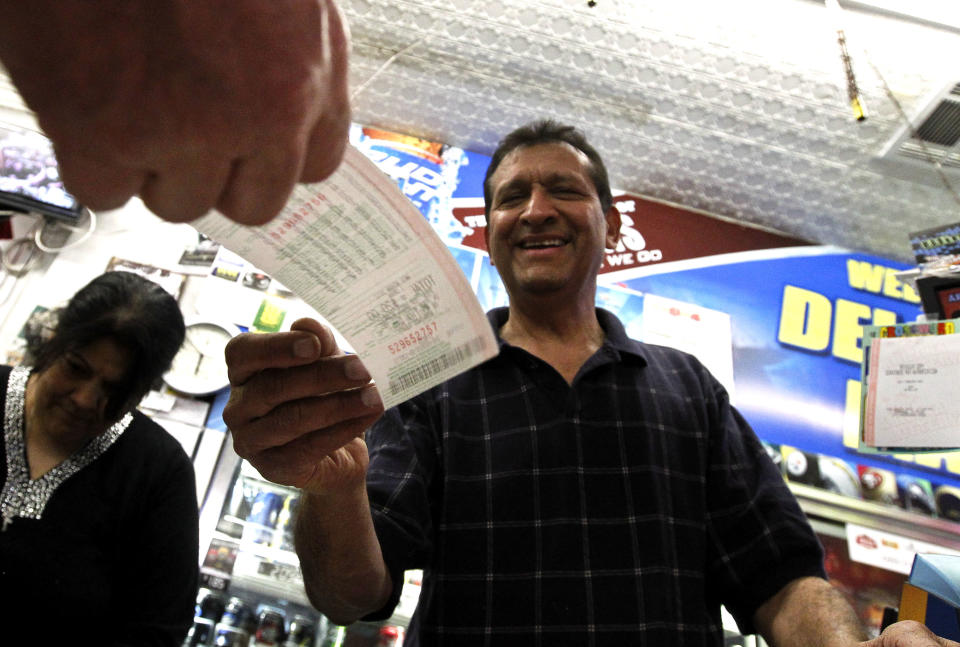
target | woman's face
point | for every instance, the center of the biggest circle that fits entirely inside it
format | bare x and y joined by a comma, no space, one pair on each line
72,396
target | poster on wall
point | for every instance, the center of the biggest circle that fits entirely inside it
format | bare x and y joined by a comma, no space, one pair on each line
794,312
702,332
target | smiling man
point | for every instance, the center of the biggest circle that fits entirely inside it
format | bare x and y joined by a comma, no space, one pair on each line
547,227
580,488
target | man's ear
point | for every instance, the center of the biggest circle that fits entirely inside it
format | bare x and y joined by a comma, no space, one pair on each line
613,227
486,237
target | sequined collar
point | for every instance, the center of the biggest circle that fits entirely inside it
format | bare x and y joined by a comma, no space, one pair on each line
21,496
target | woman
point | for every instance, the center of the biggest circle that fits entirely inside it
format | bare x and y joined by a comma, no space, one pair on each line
99,538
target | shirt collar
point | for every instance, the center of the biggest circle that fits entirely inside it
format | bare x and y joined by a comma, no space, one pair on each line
615,336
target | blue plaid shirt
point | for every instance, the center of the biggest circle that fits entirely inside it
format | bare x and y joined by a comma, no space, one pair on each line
620,510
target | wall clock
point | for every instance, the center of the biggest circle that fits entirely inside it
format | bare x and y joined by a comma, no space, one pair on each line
199,368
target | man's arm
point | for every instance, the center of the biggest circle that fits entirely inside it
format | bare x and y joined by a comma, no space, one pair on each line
297,410
809,612
343,569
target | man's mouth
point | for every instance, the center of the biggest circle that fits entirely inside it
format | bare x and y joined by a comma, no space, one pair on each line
542,243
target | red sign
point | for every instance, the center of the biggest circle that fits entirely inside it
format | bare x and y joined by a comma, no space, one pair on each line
653,232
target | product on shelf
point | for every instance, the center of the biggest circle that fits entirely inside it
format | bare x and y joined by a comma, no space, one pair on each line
302,632
262,520
270,627
201,633
228,636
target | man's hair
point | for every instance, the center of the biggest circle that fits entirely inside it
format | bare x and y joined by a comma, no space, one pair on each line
547,131
130,310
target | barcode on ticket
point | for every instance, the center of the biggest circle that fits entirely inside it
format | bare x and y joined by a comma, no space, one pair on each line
436,365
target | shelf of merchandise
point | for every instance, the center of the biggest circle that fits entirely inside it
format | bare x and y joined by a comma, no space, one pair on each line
823,504
261,566
269,570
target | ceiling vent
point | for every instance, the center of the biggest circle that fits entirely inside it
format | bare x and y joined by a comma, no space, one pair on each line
914,153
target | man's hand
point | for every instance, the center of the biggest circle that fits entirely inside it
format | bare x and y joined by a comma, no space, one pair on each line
190,104
298,407
908,634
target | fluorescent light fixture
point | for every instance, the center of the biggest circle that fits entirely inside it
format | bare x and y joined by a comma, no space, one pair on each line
944,13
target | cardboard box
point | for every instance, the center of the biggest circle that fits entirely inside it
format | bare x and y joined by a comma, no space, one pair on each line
932,594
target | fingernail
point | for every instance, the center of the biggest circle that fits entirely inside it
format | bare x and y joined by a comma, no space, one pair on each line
354,369
370,397
306,348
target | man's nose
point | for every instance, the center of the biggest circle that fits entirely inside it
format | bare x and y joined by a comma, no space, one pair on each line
539,207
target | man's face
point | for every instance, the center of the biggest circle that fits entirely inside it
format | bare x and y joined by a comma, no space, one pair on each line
546,231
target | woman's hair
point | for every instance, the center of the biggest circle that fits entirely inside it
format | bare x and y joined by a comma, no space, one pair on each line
130,310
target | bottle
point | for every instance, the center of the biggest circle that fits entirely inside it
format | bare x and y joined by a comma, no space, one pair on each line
201,633
227,636
237,614
301,633
211,606
270,623
390,636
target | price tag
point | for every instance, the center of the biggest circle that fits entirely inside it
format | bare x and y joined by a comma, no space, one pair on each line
285,573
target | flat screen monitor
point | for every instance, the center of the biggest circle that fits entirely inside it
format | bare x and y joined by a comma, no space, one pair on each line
30,176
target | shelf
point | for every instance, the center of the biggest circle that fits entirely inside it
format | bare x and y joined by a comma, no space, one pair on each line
269,577
260,568
834,507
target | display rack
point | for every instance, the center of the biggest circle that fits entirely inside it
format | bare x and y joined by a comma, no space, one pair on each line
831,507
241,556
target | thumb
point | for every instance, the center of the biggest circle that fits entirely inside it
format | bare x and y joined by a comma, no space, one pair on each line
328,343
908,633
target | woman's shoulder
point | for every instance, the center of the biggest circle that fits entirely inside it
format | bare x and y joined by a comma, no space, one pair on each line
148,459
146,437
4,378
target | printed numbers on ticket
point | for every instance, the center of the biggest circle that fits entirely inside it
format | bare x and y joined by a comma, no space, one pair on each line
357,251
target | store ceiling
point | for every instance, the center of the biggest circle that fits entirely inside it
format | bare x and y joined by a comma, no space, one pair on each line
735,107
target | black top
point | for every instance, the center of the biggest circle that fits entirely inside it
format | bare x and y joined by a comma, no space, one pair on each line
113,558
621,510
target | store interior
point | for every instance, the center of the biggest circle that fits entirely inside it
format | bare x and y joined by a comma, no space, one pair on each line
766,221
